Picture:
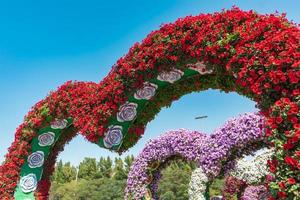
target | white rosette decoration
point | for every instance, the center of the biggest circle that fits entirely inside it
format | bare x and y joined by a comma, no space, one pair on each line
36,159
113,136
200,67
170,76
127,112
46,139
252,171
59,124
197,186
28,183
146,92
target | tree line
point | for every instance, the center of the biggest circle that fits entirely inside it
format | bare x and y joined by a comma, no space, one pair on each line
105,179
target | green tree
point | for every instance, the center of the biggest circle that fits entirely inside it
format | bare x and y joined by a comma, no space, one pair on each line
88,169
168,196
105,167
119,172
66,191
64,172
127,163
175,181
216,187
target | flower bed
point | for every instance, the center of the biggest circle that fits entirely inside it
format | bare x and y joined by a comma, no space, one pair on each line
254,55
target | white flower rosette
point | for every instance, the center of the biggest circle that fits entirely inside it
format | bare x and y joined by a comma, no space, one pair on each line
28,183
59,124
36,159
200,67
127,112
170,76
113,136
46,139
146,92
197,185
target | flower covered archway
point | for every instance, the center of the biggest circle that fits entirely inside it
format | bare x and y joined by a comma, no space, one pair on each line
254,55
211,153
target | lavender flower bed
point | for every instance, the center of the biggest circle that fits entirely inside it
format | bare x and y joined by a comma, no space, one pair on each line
236,137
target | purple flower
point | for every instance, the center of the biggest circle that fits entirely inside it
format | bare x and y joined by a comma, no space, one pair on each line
259,192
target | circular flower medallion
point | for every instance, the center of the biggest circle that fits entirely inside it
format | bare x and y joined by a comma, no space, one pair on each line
170,76
146,92
46,139
113,136
28,183
127,112
59,124
36,159
200,67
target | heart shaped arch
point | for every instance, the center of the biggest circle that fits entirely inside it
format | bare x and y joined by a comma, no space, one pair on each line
254,55
212,153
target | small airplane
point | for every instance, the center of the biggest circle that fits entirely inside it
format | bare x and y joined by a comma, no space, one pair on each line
201,117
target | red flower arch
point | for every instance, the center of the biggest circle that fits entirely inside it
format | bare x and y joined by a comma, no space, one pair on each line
255,55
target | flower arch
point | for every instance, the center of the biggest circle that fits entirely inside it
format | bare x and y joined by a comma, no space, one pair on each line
254,55
211,153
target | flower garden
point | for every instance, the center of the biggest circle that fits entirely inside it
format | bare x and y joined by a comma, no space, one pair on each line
255,55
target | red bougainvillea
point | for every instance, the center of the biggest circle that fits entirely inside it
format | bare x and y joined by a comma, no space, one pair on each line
255,55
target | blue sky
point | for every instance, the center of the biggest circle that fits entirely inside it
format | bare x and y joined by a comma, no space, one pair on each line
46,43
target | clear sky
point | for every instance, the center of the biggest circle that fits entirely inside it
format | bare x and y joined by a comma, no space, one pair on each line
46,43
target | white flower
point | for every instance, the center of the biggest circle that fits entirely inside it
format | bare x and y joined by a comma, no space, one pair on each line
200,67
113,136
170,76
28,183
197,186
146,92
252,171
127,112
46,139
36,159
59,124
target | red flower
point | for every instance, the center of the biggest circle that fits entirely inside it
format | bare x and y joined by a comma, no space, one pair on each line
296,64
281,195
288,146
296,92
279,120
291,181
286,100
281,185
293,78
291,161
297,153
287,133
272,165
294,120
